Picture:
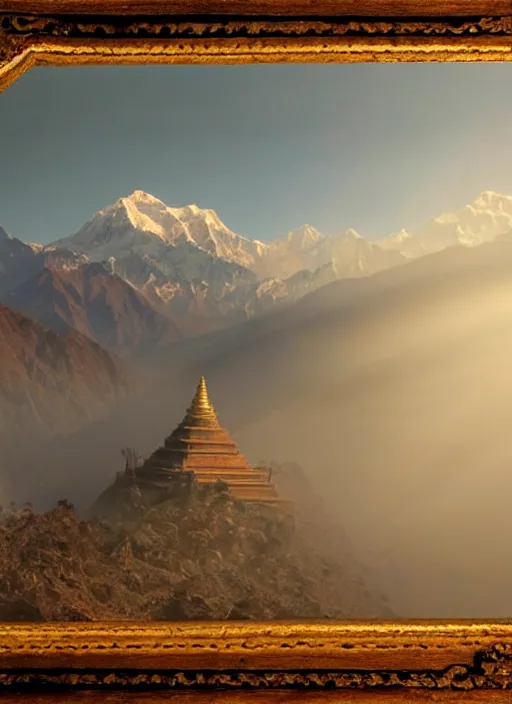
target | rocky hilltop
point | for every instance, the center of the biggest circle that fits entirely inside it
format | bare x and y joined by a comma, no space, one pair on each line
198,556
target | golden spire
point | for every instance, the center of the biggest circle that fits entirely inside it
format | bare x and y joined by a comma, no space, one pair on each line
201,413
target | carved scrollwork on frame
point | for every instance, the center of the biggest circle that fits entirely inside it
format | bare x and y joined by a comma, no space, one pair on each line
126,28
9,46
27,40
492,669
396,657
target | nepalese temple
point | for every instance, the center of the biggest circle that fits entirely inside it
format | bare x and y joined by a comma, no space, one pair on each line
199,448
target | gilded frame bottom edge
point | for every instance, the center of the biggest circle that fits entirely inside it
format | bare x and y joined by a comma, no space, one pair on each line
470,661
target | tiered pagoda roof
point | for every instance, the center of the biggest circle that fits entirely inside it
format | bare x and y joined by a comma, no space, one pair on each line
202,449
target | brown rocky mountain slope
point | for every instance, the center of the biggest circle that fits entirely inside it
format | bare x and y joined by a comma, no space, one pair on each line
99,304
50,383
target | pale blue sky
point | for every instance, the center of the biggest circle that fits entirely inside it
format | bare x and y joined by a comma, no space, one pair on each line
376,147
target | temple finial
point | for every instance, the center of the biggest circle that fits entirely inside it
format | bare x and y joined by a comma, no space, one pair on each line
201,411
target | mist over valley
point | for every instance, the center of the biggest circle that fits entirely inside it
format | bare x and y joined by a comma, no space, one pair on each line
380,368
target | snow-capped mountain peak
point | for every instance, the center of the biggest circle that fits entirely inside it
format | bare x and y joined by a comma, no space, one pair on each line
144,224
394,240
145,215
351,234
142,197
486,207
488,216
124,223
490,200
303,237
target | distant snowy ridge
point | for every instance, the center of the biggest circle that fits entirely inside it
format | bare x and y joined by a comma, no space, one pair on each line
191,267
487,217
143,225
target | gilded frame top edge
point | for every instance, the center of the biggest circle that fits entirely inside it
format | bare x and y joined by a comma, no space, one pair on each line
28,40
263,8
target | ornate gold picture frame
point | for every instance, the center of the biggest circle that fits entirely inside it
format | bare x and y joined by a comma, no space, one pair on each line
260,662
60,32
